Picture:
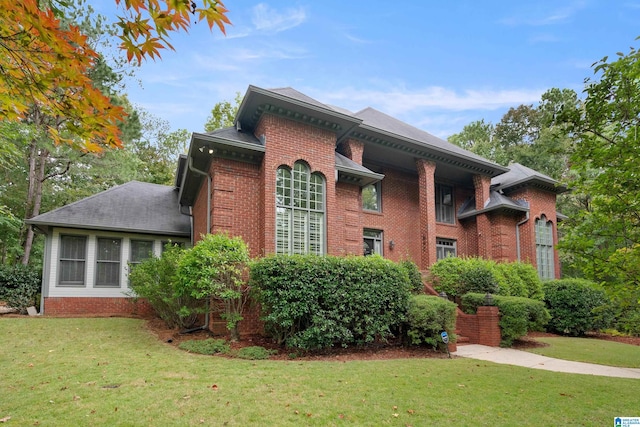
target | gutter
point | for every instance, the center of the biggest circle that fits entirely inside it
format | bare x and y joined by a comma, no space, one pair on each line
203,173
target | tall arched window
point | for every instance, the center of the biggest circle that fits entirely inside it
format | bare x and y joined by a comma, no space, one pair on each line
544,248
299,211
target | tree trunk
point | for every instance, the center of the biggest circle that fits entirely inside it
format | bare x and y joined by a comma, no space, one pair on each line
37,164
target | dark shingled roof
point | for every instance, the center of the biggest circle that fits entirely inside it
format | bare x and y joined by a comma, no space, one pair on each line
137,207
496,201
520,175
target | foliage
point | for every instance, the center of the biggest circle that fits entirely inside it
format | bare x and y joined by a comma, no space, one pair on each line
255,352
517,315
313,302
572,304
427,317
603,239
10,225
223,114
20,286
213,269
415,277
208,346
457,276
155,280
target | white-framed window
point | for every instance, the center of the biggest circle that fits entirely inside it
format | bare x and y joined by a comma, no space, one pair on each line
372,242
544,248
445,248
73,254
444,204
108,262
371,200
300,210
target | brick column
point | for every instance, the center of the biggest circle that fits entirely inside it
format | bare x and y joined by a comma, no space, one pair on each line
353,149
482,184
427,201
489,326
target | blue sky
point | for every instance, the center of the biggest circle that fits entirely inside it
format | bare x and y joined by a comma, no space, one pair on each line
435,65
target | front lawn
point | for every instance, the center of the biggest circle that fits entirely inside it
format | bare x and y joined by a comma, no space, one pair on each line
115,372
590,350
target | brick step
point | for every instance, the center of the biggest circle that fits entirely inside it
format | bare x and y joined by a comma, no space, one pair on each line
461,340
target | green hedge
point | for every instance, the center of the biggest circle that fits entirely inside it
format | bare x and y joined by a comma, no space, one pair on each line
458,276
311,302
576,306
20,286
517,315
427,317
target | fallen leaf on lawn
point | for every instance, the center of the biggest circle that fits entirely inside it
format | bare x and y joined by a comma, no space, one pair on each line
214,387
396,415
341,416
31,365
309,414
5,419
201,420
296,412
186,397
76,398
395,408
411,411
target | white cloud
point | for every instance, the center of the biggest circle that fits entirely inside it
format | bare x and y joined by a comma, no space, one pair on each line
538,18
268,19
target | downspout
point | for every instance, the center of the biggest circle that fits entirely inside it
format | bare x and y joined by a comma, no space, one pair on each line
526,218
203,173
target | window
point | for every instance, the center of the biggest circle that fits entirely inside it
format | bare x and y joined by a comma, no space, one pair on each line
444,204
108,262
72,260
544,248
140,250
299,211
372,242
371,197
445,248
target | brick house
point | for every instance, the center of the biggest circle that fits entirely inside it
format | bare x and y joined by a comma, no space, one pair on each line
298,176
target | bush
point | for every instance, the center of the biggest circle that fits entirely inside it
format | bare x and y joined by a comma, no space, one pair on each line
529,275
311,302
415,277
517,315
253,353
573,305
208,346
20,286
445,275
478,276
509,281
427,317
155,280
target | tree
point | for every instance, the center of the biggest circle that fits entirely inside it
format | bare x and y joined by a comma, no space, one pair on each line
214,269
45,63
222,114
604,238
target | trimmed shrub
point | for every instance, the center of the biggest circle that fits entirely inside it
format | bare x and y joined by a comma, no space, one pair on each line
573,305
517,315
529,275
478,276
445,275
509,281
20,286
155,280
415,277
427,317
311,302
208,346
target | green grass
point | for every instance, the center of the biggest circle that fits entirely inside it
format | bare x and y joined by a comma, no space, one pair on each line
590,350
59,372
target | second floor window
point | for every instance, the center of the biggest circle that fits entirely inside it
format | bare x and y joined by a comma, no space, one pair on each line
444,204
371,197
300,211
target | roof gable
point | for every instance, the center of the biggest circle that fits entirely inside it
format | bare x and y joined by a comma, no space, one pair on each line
138,207
520,176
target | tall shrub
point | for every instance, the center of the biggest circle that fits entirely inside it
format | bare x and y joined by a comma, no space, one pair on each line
415,277
312,302
574,305
427,317
20,286
213,269
155,280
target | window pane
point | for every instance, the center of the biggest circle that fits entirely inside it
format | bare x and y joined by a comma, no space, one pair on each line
283,187
283,225
299,232
140,250
316,193
445,248
444,204
370,197
108,262
72,260
300,178
372,242
316,233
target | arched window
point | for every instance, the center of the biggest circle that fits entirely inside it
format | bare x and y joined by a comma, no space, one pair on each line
300,209
544,248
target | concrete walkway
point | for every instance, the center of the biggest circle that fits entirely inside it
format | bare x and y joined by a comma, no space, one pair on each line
509,356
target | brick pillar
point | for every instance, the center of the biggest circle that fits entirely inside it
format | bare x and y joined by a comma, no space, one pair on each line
489,326
482,184
427,196
353,149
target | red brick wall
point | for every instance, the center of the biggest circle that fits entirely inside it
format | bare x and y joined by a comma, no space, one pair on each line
87,306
